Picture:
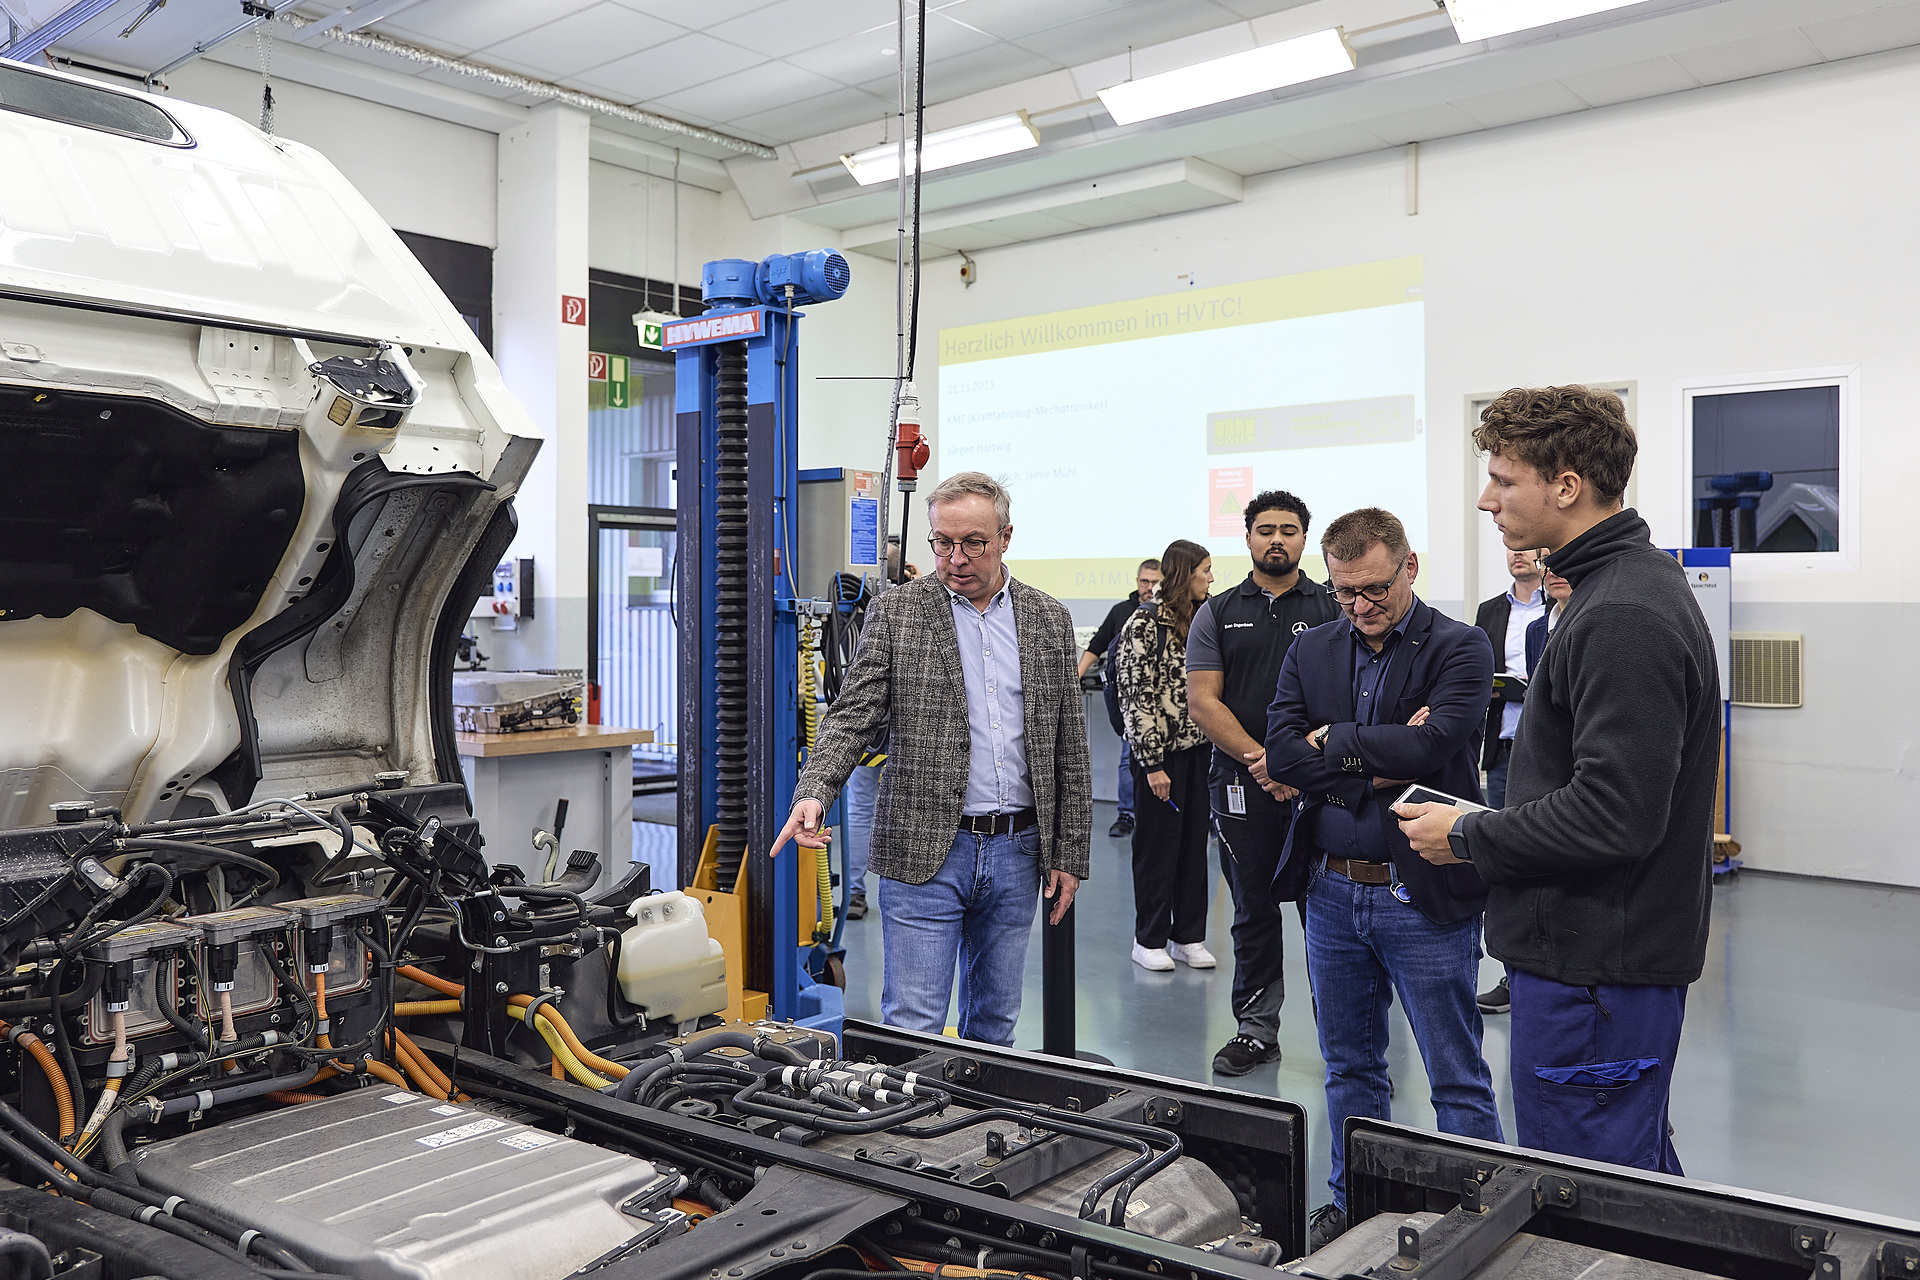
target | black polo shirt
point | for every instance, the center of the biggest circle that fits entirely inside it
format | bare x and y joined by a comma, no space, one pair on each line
1244,634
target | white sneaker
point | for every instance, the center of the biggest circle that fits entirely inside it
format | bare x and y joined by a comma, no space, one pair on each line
1154,958
1192,954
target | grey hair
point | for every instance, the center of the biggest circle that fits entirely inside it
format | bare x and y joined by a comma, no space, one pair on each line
975,482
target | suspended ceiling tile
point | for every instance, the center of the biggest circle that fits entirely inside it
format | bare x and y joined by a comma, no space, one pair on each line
983,69
960,240
836,110
951,39
579,41
769,85
1015,19
789,26
1139,23
1754,56
1327,144
1422,125
1894,27
701,15
857,60
1528,102
461,26
1032,226
668,68
1255,157
1636,80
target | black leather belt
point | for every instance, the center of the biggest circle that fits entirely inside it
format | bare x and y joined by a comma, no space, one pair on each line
997,824
1362,872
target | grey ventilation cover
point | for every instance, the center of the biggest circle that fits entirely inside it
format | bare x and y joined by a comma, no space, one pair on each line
1766,669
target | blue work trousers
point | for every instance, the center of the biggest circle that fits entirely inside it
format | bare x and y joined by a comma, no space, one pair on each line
977,910
1363,945
1593,1069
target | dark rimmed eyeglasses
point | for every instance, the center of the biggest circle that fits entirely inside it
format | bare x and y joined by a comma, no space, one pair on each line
1375,594
943,546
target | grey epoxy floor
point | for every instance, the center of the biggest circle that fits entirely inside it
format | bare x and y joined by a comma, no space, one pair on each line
1799,1071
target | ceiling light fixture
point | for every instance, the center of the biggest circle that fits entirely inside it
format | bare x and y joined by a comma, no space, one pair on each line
1272,66
999,136
1484,19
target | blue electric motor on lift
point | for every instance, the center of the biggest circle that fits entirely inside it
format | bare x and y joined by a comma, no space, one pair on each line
736,394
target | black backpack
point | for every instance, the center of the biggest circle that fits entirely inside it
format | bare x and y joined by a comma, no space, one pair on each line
1113,684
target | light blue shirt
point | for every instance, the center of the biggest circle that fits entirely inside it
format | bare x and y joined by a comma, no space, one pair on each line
1519,614
996,718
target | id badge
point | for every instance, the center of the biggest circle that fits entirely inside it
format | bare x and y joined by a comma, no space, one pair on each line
1236,798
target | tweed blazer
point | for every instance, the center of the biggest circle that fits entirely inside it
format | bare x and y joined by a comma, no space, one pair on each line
907,672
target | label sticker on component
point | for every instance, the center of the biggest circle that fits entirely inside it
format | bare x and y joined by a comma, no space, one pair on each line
527,1141
485,1124
1236,799
400,1099
1137,1206
446,1109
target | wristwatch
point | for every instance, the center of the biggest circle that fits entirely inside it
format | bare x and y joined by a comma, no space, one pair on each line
1457,839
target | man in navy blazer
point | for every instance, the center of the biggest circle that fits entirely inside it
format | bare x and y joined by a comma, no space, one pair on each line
1390,694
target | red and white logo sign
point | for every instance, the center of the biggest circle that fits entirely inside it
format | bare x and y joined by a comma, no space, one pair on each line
572,310
596,366
737,324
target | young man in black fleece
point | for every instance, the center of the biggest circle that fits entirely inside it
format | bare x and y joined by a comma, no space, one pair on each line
1600,865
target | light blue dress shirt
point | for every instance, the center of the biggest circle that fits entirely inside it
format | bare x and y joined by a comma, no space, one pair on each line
996,718
1519,614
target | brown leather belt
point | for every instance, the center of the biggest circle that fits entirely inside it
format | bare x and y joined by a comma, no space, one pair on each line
997,824
1362,872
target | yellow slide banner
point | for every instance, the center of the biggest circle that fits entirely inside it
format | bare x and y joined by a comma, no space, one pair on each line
1309,293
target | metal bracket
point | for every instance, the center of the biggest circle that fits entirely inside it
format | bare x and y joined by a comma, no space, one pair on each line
1899,1261
1454,1247
962,1069
1810,1240
1164,1111
1555,1191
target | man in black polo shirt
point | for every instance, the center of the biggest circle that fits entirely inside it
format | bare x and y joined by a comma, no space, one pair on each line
1234,650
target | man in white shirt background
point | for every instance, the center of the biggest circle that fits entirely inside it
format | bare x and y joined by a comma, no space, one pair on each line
1505,619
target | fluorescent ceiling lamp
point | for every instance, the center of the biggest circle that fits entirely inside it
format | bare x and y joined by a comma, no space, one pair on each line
999,136
1484,19
1273,66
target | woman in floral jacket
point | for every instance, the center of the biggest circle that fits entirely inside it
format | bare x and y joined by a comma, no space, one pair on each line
1170,868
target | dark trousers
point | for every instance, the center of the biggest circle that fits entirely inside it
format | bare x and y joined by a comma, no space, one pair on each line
1170,852
1593,1070
1497,774
1250,845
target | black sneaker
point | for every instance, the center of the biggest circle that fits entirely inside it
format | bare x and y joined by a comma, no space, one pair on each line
857,907
1328,1223
1496,999
1242,1054
1122,826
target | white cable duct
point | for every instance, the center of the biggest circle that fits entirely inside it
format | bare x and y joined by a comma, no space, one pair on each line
544,88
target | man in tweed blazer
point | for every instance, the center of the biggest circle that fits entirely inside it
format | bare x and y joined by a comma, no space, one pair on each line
988,788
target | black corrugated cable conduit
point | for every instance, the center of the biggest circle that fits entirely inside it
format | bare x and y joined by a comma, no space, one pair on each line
730,550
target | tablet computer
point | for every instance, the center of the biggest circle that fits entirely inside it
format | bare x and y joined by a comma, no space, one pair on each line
1417,794
1509,686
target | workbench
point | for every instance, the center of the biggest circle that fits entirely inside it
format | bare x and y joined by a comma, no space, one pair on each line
515,778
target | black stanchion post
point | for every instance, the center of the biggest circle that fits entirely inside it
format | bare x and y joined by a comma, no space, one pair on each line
1056,985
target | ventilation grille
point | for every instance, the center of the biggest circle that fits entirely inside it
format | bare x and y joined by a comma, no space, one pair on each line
1766,669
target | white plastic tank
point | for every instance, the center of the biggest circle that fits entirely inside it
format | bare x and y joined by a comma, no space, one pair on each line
669,966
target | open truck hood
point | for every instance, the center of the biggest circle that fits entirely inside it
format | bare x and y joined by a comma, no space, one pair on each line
254,468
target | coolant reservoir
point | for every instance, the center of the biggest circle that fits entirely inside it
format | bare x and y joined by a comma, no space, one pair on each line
669,967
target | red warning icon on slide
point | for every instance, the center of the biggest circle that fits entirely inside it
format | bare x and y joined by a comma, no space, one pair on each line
1229,489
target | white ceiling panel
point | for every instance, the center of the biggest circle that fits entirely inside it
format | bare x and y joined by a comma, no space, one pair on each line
1014,19
1328,144
1647,79
790,25
836,110
1255,157
696,14
461,26
668,68
1437,121
1891,28
580,40
971,73
769,85
1528,102
1754,56
1140,22
855,60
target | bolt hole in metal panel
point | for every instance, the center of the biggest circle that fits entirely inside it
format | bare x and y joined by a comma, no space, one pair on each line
385,1185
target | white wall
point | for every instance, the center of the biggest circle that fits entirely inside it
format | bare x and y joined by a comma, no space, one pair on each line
1764,225
422,174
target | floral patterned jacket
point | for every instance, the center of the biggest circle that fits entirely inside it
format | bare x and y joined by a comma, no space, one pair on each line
1150,667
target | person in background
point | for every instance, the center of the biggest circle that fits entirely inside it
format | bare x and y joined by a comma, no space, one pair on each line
1601,863
1505,619
1170,877
986,799
893,562
1146,580
1394,693
1233,662
1559,591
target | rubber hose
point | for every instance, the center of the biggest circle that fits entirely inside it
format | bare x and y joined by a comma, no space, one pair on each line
56,1079
95,976
575,1067
269,877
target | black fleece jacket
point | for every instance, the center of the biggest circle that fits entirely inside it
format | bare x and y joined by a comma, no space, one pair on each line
1600,865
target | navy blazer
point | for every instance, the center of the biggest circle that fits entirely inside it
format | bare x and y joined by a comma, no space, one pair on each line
1444,665
1537,632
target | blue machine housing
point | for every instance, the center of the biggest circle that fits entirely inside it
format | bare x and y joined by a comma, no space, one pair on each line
737,421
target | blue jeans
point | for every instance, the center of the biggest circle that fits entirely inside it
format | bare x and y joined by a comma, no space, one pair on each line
862,789
978,909
1593,1068
1126,779
1364,944
1497,774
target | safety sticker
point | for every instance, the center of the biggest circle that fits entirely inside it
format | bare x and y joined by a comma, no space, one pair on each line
446,1109
527,1140
485,1124
400,1099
